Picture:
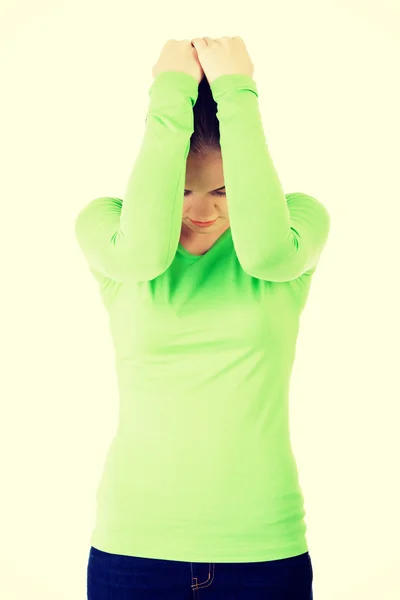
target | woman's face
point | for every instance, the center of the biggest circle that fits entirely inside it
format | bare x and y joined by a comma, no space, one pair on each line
203,201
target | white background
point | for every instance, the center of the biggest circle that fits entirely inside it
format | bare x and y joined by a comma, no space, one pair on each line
74,80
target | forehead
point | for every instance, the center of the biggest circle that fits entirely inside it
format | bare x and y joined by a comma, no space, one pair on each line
204,173
209,162
214,190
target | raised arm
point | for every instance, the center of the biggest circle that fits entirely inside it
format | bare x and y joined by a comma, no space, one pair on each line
277,236
135,239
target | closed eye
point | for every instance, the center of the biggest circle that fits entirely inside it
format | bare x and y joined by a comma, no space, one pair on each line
215,193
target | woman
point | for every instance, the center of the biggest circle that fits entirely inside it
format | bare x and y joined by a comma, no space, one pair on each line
200,495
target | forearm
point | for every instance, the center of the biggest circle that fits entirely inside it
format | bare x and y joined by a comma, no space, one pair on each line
136,239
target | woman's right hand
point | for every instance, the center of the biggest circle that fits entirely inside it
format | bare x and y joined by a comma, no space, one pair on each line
179,55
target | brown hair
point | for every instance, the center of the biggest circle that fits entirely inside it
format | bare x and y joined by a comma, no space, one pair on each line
205,136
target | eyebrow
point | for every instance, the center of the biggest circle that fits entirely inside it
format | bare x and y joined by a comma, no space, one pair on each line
216,190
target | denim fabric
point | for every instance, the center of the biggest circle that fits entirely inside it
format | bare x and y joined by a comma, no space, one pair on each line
120,577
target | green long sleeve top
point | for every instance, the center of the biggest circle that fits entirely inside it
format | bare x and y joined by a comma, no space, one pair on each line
201,468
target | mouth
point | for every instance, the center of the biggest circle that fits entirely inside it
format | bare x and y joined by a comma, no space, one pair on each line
203,223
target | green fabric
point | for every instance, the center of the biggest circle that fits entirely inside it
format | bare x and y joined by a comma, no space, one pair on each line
201,467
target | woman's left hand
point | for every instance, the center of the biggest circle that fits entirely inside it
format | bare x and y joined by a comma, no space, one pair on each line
223,56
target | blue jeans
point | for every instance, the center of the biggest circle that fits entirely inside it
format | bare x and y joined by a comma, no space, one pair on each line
120,577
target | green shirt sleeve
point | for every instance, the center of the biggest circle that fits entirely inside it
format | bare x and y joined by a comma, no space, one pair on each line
136,239
277,237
